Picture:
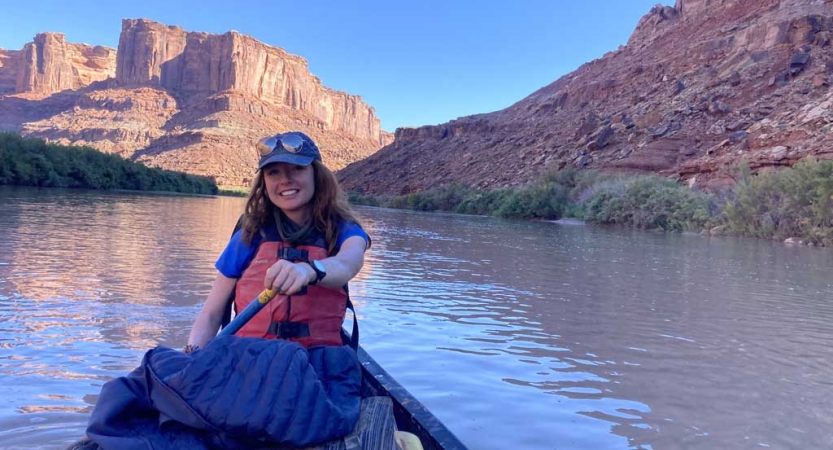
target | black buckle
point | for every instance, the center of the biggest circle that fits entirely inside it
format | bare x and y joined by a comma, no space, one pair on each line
286,330
293,254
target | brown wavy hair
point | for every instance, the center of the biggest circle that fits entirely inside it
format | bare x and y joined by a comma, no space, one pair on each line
329,207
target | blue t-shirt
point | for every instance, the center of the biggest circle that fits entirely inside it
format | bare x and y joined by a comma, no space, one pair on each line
237,255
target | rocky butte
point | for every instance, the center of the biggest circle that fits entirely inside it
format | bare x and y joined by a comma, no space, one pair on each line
698,86
179,100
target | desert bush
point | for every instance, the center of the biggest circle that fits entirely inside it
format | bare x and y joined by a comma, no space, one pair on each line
33,162
648,202
792,202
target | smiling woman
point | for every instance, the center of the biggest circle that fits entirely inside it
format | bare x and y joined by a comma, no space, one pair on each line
290,187
299,238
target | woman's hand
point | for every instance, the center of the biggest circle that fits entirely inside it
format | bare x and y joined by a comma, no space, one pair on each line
288,278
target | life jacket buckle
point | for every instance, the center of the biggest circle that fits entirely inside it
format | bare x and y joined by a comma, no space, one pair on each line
286,330
293,254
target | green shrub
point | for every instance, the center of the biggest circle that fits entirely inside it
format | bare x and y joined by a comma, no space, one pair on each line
482,203
649,202
792,202
358,199
542,201
32,162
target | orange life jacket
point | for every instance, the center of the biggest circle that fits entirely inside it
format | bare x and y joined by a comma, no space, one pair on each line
312,317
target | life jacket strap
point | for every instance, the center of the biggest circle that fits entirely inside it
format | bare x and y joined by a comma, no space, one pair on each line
286,330
293,254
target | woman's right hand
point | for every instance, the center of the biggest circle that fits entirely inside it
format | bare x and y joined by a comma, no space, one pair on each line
288,278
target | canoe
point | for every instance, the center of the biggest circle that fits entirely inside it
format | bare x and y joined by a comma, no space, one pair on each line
422,430
410,414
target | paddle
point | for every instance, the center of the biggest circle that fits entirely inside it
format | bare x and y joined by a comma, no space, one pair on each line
248,312
265,297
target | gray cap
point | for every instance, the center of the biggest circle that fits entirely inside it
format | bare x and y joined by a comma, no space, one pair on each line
292,147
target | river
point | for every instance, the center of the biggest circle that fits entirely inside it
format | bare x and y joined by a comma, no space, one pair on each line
516,334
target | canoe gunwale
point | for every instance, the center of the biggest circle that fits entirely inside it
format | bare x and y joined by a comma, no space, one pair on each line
411,415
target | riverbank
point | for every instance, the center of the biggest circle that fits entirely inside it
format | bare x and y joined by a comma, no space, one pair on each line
33,162
233,191
793,204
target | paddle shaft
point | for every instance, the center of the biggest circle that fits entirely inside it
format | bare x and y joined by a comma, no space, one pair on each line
248,312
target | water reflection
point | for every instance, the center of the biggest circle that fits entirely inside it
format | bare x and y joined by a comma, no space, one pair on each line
89,282
666,340
516,334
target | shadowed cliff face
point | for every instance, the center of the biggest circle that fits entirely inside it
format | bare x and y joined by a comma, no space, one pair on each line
49,64
698,86
180,100
159,55
9,63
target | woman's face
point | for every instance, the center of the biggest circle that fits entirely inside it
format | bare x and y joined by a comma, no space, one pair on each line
290,188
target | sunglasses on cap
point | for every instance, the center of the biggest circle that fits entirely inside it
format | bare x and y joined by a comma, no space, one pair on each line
291,143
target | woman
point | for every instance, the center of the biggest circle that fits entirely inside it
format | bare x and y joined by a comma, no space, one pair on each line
299,238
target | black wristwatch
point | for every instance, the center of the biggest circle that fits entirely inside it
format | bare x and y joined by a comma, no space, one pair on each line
320,271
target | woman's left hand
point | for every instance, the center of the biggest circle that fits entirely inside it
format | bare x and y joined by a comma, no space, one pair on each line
288,278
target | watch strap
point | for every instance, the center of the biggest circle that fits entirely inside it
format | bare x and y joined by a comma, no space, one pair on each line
319,275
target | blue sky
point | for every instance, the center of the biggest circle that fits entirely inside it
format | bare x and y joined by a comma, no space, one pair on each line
417,62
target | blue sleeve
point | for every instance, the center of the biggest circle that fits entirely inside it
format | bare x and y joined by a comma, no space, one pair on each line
350,229
236,256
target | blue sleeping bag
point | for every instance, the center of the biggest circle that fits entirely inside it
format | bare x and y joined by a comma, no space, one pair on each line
235,393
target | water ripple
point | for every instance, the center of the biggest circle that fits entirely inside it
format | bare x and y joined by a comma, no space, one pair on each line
606,339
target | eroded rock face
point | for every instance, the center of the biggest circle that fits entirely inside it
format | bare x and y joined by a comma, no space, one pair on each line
153,54
49,64
146,50
9,62
180,100
699,86
700,7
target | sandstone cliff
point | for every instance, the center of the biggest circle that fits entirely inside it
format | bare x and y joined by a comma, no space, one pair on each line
155,54
49,64
180,100
698,86
9,63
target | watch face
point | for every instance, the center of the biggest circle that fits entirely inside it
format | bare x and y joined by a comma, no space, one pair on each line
319,267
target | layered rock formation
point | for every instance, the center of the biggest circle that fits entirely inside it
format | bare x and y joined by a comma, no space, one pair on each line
180,100
155,54
9,63
49,64
699,86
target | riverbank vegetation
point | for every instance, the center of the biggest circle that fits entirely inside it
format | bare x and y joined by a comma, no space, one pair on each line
233,191
793,202
33,162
